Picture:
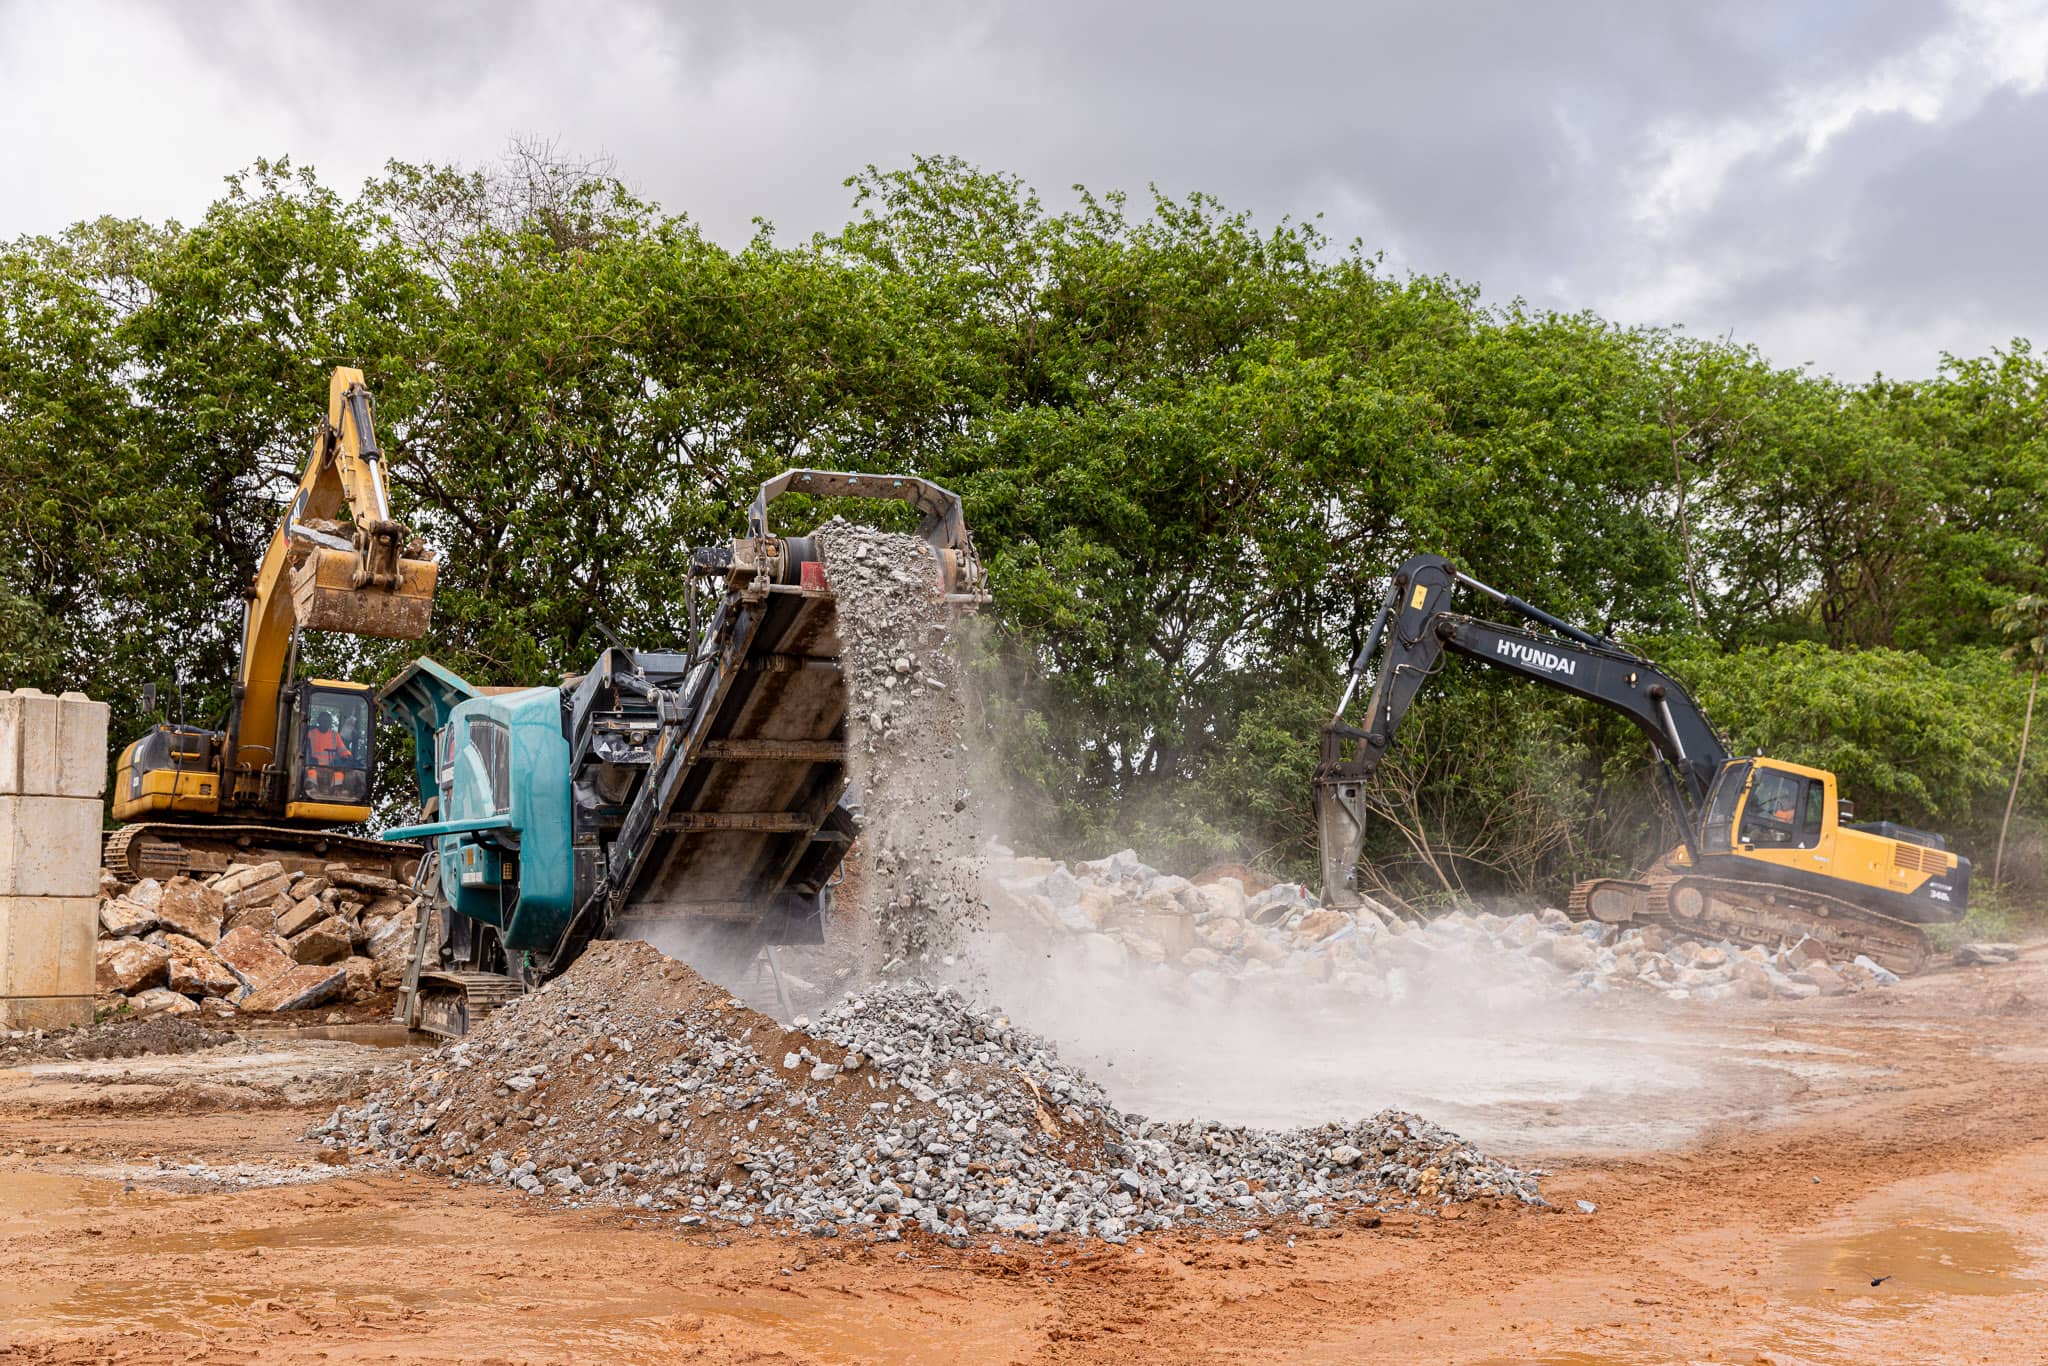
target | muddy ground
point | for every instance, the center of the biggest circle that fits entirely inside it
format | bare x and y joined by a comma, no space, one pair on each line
161,1208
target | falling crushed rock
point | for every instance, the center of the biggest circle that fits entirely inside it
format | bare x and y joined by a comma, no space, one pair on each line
632,1081
906,725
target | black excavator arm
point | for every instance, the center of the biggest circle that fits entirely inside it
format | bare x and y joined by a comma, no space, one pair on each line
1407,642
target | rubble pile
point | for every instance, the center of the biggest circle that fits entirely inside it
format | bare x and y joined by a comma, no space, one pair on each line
907,750
1117,915
255,937
632,1081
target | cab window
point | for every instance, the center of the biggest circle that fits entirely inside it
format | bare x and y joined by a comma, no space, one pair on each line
493,745
335,743
1770,818
1815,815
1720,822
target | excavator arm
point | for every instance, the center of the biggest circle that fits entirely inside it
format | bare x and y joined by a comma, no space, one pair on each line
1406,644
317,574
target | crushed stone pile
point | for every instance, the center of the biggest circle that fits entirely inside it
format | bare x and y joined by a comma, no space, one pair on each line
255,938
632,1081
907,744
1117,915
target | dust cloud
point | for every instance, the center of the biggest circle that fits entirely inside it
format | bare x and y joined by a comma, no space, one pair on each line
1484,1041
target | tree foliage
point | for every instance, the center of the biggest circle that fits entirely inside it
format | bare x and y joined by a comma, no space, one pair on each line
1191,445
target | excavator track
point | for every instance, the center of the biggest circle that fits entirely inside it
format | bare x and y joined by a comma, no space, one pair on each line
162,849
1610,900
1753,913
450,1002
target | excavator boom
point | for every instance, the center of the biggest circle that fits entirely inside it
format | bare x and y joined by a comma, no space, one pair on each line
1407,642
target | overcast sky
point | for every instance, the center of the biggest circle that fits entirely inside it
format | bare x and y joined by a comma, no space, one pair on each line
1858,186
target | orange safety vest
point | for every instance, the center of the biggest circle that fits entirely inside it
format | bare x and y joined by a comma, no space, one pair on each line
328,748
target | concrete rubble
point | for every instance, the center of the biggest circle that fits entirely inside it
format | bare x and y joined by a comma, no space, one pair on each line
1117,915
631,1081
253,938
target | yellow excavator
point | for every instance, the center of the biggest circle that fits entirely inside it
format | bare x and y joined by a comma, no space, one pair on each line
295,757
1768,849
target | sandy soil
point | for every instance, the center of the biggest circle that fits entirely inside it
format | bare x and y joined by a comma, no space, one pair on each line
162,1209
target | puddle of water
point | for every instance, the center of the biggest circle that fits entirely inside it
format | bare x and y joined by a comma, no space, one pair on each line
1918,1259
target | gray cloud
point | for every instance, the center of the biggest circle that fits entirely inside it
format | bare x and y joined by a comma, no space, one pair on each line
1841,184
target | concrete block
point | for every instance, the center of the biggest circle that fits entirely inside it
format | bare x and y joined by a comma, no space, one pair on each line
52,746
28,742
82,747
49,846
47,961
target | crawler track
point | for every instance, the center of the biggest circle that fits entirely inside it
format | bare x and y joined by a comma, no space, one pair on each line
1752,913
164,849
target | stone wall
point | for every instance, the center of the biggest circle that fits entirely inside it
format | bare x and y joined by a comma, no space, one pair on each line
53,769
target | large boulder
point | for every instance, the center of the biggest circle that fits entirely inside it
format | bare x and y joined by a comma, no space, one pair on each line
1061,888
1822,975
382,934
394,959
1321,924
303,915
341,875
121,918
199,973
130,965
253,886
385,905
1568,951
305,986
161,1001
1221,935
330,941
260,916
252,957
192,909
362,979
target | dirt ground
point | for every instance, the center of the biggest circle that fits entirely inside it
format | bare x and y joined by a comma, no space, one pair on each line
161,1208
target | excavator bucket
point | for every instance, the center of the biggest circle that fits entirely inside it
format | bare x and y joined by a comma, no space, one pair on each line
325,596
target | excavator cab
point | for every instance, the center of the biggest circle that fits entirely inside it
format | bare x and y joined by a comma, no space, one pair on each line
331,755
1763,805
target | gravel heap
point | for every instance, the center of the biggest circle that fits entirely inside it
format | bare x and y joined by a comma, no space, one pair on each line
1118,916
907,756
630,1080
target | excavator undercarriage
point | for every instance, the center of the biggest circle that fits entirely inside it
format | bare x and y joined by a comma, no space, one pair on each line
1748,912
164,850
